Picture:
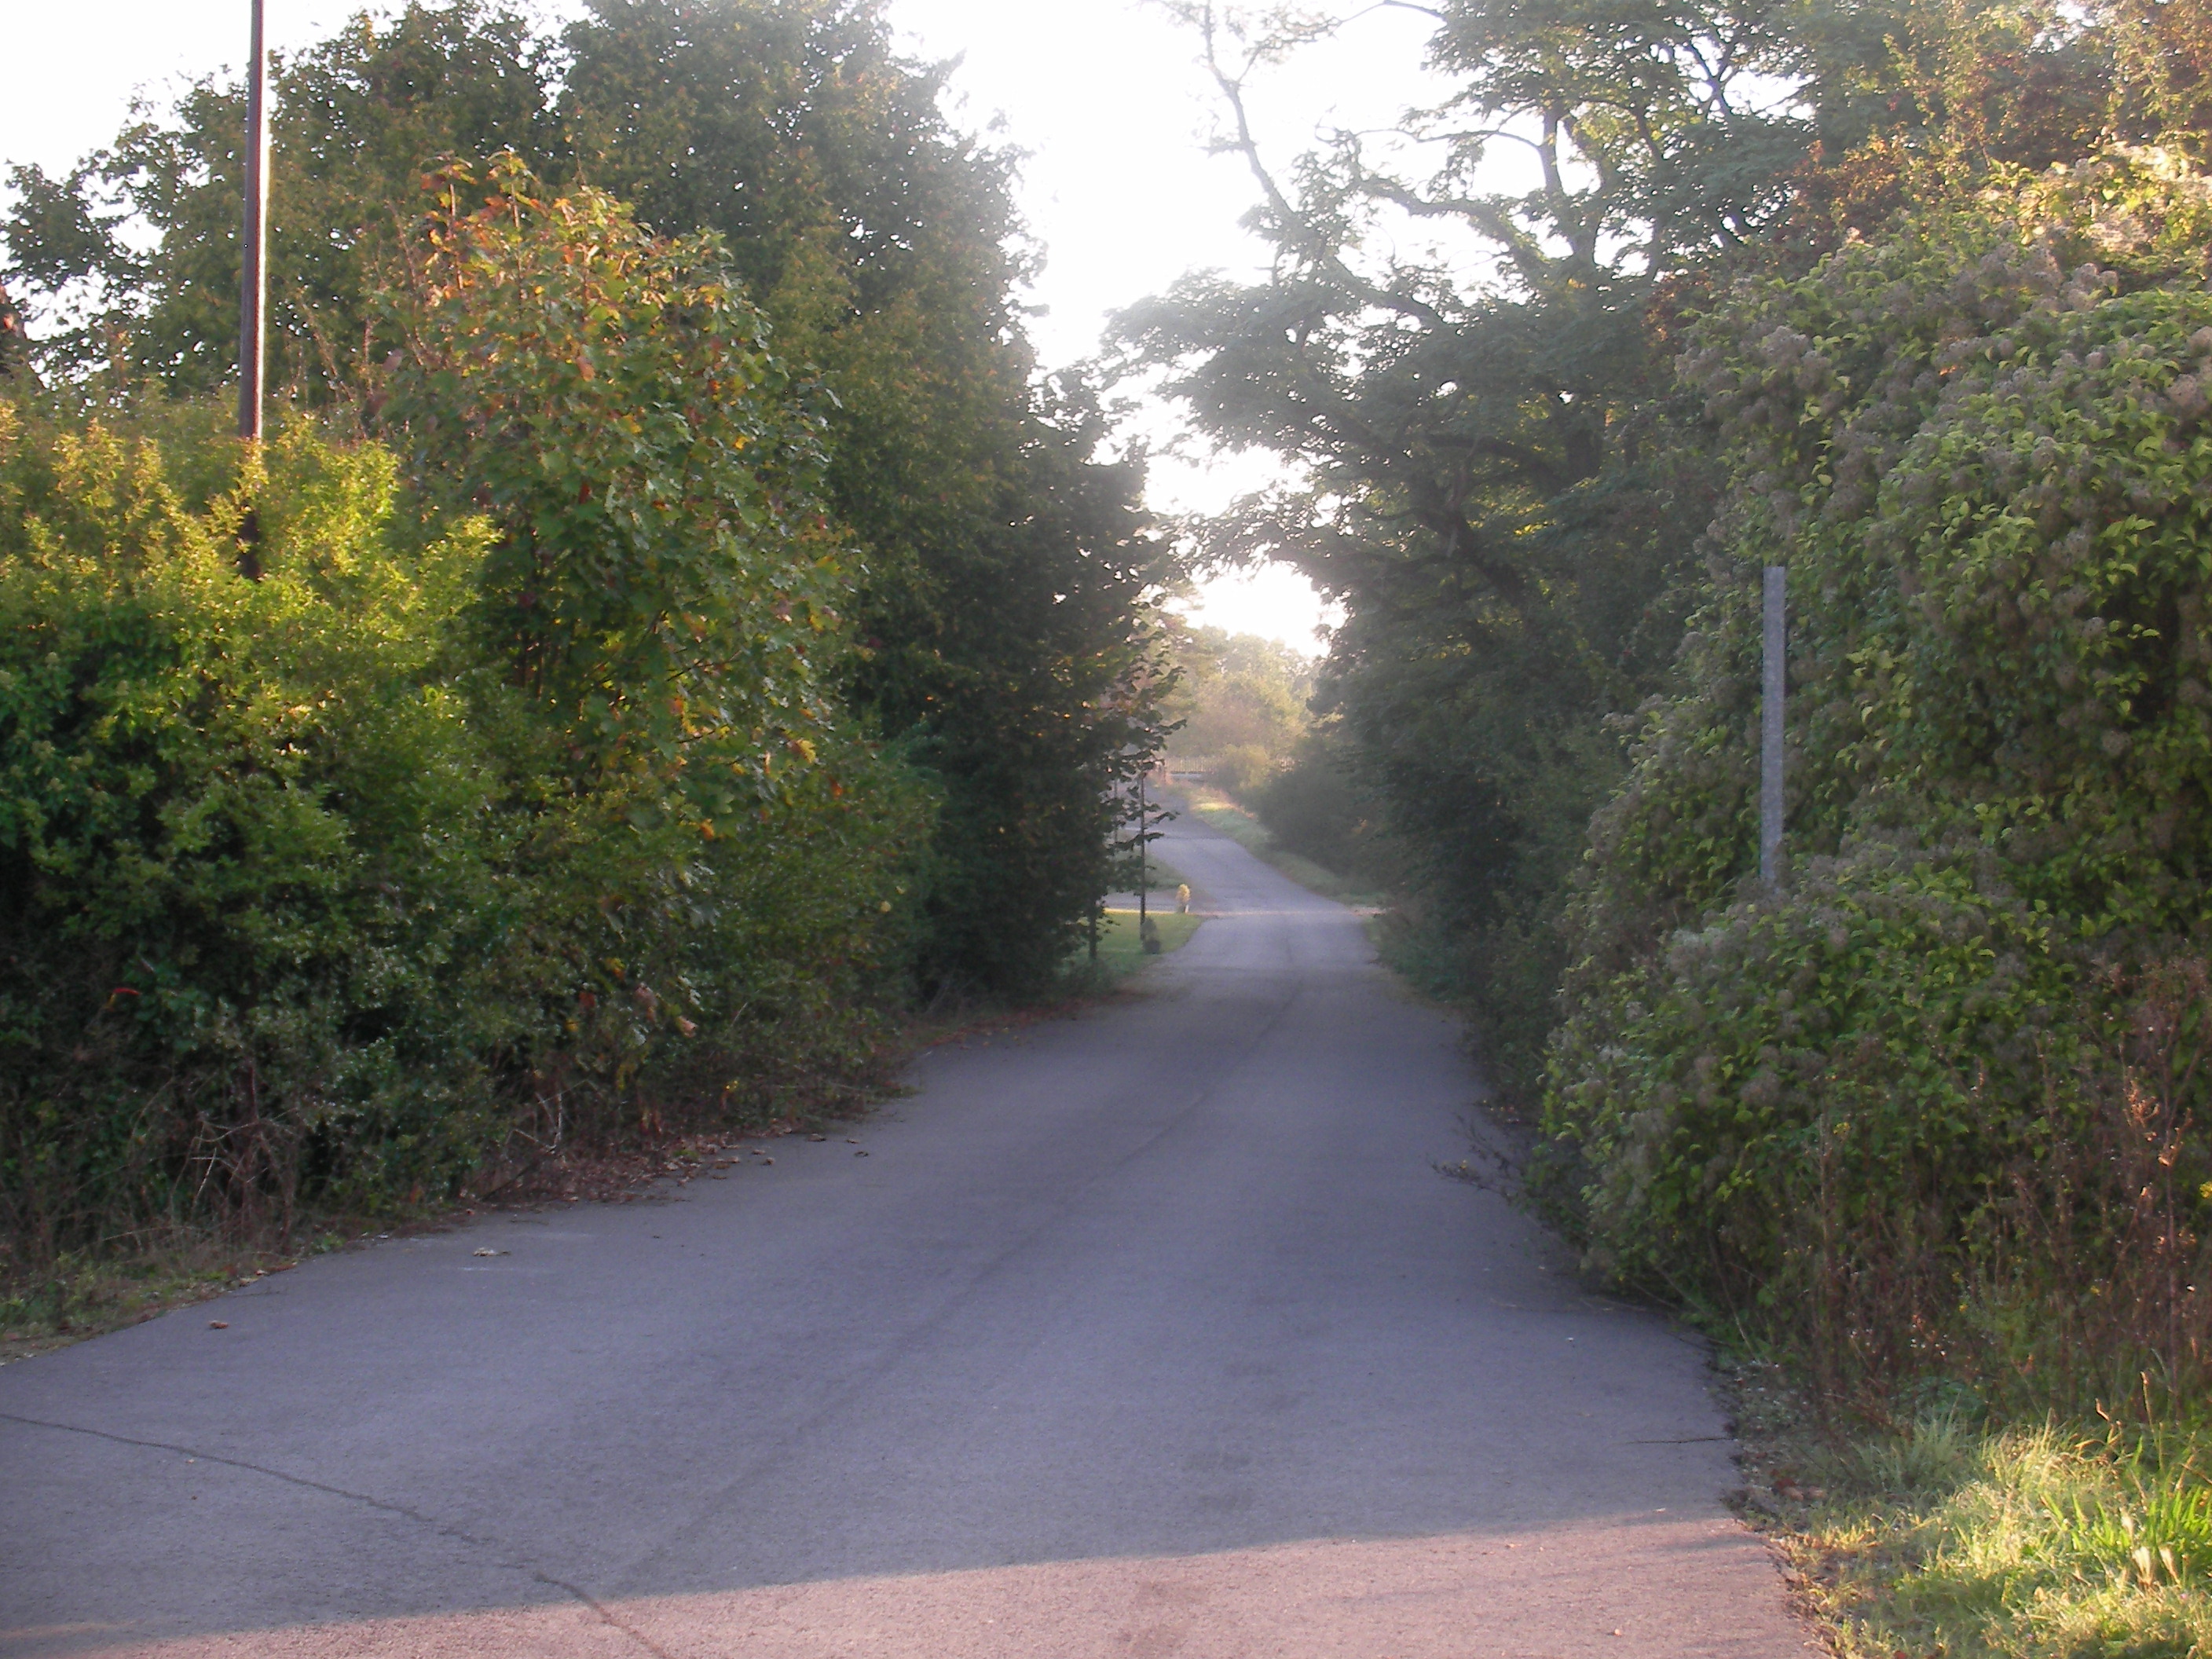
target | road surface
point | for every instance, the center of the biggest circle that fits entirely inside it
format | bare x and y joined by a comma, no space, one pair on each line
1151,1332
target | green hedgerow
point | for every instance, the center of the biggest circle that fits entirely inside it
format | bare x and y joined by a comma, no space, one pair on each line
370,811
1980,447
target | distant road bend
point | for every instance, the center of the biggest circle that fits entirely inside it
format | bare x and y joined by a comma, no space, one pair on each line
1148,1333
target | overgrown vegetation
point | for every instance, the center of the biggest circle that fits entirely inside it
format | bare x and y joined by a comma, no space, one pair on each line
1980,987
336,880
998,581
1910,300
668,637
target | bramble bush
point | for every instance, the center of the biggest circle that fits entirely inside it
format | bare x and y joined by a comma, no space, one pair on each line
374,813
1979,444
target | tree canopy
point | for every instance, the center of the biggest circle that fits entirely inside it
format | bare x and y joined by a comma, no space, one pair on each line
1002,571
1465,349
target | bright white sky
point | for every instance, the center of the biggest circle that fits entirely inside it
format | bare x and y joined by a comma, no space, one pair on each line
1104,94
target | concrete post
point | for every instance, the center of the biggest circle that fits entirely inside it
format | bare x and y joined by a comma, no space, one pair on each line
1774,686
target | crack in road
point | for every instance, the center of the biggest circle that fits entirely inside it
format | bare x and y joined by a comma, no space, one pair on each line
442,1529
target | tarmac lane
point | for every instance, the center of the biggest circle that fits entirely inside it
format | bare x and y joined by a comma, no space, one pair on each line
1149,1332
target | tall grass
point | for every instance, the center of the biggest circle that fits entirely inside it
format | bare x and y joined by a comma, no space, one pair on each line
1948,1536
2003,1447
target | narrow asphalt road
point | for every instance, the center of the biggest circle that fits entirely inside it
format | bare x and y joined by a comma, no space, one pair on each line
1151,1332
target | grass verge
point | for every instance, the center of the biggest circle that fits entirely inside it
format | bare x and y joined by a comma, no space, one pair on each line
1941,1534
84,1296
1122,953
1117,933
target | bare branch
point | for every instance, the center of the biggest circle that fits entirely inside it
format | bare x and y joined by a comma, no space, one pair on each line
1490,217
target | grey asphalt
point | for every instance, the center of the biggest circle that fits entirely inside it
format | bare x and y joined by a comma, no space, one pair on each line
1150,1331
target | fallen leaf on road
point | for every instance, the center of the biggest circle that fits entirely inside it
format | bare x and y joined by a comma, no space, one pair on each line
860,1152
486,1252
817,1137
768,1160
218,1324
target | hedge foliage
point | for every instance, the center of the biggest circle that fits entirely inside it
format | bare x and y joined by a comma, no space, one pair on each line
370,809
1979,444
995,570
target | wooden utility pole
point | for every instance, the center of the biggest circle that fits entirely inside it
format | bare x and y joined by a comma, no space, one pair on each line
253,287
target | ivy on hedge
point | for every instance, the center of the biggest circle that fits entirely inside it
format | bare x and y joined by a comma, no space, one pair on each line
1979,444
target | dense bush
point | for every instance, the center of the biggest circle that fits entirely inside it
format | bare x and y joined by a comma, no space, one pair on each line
1242,768
662,589
350,836
254,894
1978,445
999,574
1312,807
664,580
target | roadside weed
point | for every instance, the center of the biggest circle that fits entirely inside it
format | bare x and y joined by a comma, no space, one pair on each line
1943,1538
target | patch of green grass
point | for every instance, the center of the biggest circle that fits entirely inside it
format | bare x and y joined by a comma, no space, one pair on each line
1945,1535
1122,953
1117,932
80,1296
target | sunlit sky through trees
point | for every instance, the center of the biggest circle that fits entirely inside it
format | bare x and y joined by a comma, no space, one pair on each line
1105,95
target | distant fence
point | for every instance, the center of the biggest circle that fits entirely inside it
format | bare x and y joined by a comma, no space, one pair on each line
1186,768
